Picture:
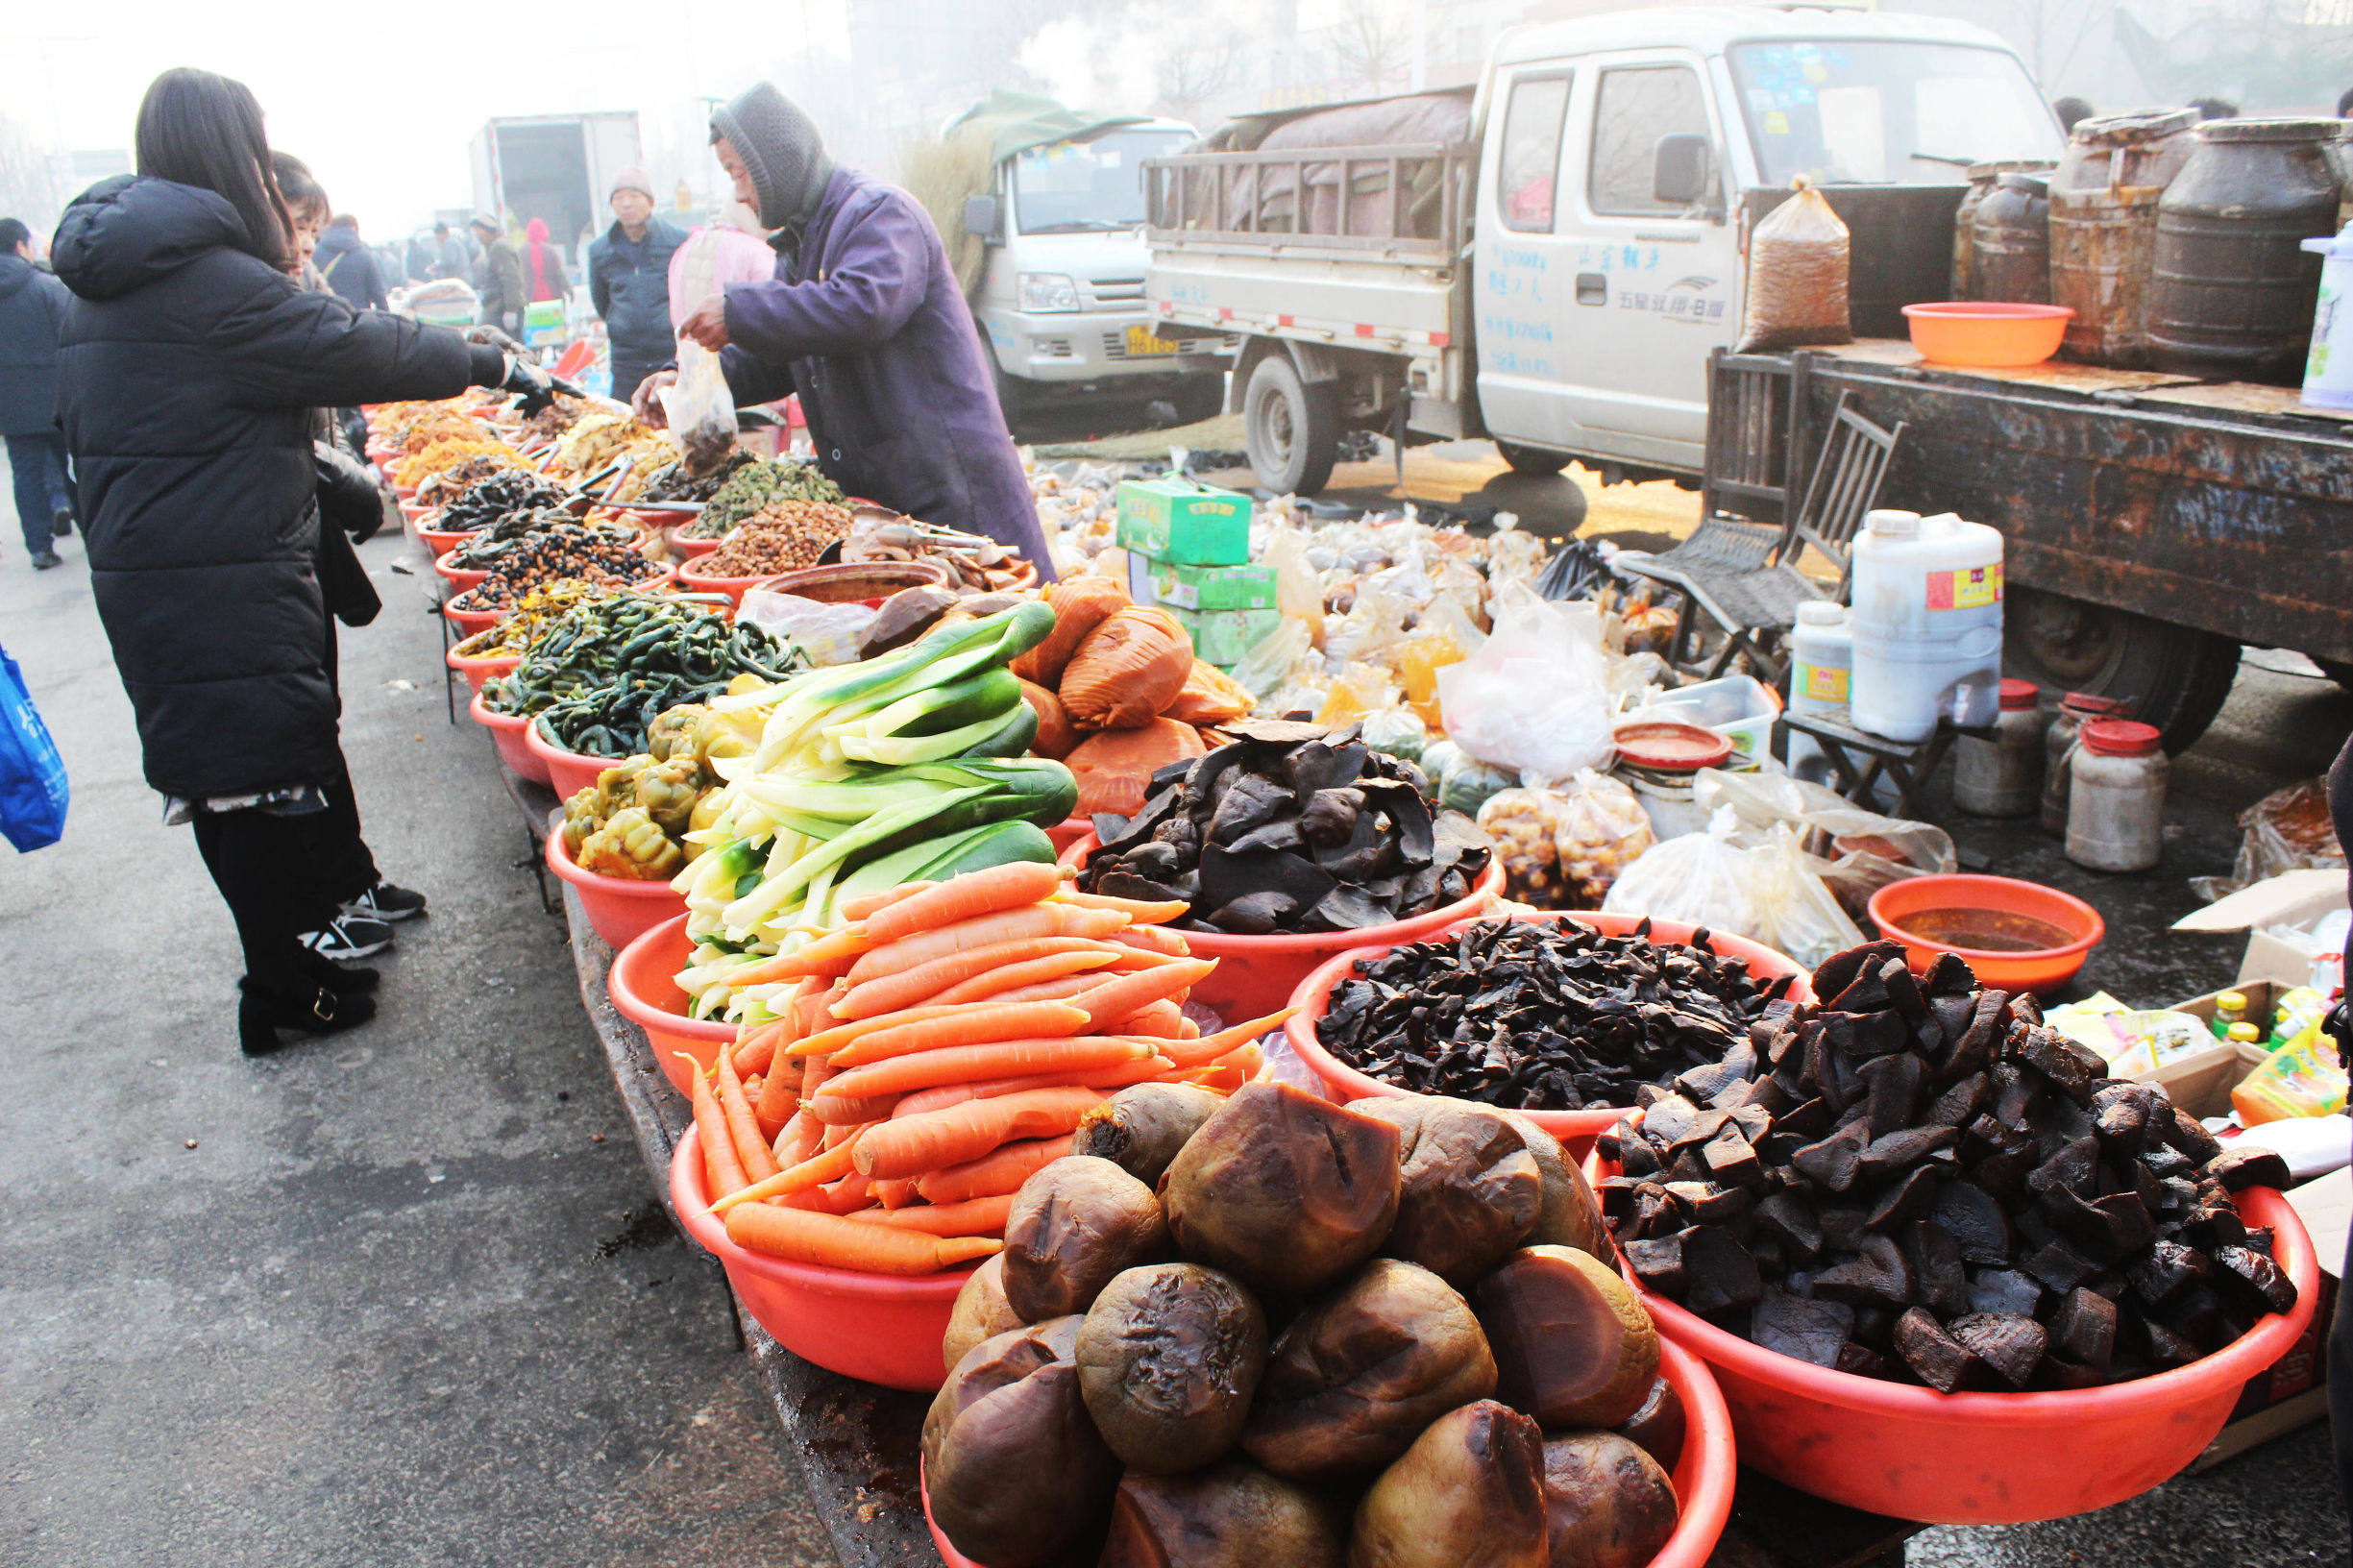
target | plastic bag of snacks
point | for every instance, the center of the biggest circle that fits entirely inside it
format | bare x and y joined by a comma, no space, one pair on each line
1564,848
2288,830
1700,878
1460,781
1360,689
1796,277
1398,732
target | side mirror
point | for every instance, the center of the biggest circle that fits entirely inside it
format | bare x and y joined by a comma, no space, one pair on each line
980,216
1682,171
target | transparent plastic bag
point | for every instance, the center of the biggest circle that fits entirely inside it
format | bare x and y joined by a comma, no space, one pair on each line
1858,852
1298,595
1796,913
1534,697
1564,848
1700,878
1796,277
699,407
1278,667
1397,731
2288,830
1357,690
829,633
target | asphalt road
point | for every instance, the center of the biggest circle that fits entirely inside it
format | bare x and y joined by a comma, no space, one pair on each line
408,1298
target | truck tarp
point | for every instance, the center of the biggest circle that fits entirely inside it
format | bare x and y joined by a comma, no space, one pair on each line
1018,121
940,174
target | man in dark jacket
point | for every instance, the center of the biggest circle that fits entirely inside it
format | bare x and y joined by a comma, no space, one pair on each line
343,258
500,279
451,257
864,320
628,282
31,308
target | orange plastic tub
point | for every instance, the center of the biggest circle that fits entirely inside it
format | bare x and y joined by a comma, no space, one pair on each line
735,588
1703,1475
878,1327
470,621
1256,975
464,576
683,549
642,984
479,672
569,772
1987,334
439,542
508,731
2039,969
1067,832
1576,1129
620,908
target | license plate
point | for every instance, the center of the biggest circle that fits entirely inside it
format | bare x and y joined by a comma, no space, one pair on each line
1140,342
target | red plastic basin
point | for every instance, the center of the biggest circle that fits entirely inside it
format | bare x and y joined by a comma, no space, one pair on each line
439,541
470,622
464,576
1989,334
1576,1129
569,772
878,1328
508,731
1703,1476
688,550
642,984
620,908
735,588
1067,832
1912,1453
1257,975
478,671
2043,970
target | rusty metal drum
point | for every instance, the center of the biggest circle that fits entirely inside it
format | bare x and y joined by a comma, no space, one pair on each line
2104,228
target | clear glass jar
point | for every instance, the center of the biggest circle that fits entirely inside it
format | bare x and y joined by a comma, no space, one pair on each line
2116,798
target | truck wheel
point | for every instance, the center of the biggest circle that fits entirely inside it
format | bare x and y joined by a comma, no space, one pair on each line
2340,673
2175,678
1290,427
1009,399
1534,461
1199,398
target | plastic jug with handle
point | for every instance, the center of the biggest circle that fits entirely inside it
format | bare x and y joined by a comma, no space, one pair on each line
1927,624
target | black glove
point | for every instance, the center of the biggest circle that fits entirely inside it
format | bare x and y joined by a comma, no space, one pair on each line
536,387
348,497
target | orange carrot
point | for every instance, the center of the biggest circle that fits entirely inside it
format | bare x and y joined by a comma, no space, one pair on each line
865,904
1009,885
722,1172
852,1193
742,1125
801,1138
985,931
894,1194
1186,1029
1249,1059
961,1064
836,1133
998,1173
919,985
1013,977
973,1217
849,1111
1193,1053
831,1165
1112,1001
827,956
909,1146
779,1094
1056,990
1163,1019
800,1237
1153,938
756,1048
841,1035
814,1072
1135,960
1141,1070
1139,911
1218,1080
966,1026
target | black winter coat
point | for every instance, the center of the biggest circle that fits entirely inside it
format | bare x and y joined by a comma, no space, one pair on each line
344,259
187,377
634,301
32,309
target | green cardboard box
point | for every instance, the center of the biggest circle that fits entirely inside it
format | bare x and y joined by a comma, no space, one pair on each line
1178,521
1176,587
1224,636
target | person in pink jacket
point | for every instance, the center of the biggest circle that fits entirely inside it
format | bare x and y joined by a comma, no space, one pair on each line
731,249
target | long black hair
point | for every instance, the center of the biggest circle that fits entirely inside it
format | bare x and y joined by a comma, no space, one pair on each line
199,129
301,188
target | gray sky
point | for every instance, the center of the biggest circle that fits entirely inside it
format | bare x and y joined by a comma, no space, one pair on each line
382,107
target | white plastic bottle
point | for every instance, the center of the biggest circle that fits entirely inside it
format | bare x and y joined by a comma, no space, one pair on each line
1821,669
2328,374
1927,624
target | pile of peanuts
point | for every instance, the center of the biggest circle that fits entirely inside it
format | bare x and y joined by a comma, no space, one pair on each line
782,536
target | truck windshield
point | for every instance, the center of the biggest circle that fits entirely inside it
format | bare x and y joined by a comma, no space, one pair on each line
1840,111
1077,187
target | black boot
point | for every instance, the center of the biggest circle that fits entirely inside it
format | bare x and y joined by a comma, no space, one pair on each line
343,982
261,1014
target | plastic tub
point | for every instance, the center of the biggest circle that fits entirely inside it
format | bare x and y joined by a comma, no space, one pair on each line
735,588
1067,832
508,732
1576,1129
470,622
2042,969
620,908
1740,708
1988,1458
857,582
643,983
1257,975
878,1327
462,576
1703,1475
1988,334
479,672
569,772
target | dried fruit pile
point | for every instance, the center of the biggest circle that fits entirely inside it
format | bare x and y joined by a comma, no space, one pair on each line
1290,827
1924,1183
1551,1016
602,557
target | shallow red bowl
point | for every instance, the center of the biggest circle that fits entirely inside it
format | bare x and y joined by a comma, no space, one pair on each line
1986,333
2044,968
642,984
508,731
620,908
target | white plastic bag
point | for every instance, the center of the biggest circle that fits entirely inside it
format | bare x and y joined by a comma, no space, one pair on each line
1796,912
829,633
1534,696
699,407
1701,879
1856,853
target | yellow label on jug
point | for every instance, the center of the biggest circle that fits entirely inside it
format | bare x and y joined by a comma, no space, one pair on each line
1979,585
1824,682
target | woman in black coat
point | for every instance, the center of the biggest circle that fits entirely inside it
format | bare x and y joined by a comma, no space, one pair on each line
187,371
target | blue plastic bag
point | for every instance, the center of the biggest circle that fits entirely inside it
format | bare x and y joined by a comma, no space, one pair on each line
31,774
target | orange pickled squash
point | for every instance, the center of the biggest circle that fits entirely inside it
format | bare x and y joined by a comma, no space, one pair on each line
1055,736
1114,769
1128,669
1210,697
1080,605
1419,658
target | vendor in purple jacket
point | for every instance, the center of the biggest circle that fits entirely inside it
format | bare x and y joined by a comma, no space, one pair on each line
864,320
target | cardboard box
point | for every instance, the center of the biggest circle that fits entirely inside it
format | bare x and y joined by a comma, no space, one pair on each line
1208,587
2201,1082
2290,899
1221,637
1180,521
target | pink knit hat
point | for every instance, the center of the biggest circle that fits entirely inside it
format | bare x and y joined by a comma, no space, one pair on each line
633,177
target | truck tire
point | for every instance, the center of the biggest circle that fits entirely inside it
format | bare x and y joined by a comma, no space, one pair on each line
1291,427
1199,398
1009,399
1531,460
2175,678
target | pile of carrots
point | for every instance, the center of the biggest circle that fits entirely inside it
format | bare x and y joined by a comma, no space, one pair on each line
939,1049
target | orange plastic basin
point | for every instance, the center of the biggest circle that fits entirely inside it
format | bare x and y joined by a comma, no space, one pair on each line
2042,969
470,622
688,550
1576,1129
621,908
569,772
878,1328
1986,332
735,588
464,576
508,731
479,672
1256,975
1912,1453
643,983
1703,1475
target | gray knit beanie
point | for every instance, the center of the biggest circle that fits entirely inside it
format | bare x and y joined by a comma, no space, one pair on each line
782,151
